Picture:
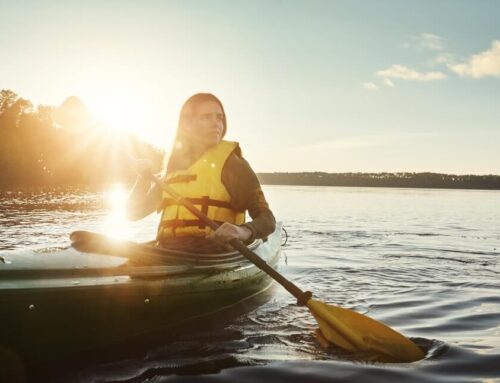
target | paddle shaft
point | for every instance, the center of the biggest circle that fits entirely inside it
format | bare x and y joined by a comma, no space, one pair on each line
302,296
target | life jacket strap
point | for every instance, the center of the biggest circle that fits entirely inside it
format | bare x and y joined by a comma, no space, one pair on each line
205,202
181,178
175,223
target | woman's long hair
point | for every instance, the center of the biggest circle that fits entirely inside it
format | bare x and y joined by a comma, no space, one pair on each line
181,146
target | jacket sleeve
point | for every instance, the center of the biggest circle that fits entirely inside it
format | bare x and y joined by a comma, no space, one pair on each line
246,193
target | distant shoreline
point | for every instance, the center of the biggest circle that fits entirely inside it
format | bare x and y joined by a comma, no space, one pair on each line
395,180
388,180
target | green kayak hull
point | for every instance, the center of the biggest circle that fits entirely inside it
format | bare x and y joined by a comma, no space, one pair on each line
65,301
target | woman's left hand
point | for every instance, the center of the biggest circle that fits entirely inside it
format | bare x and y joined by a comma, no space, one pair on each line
227,231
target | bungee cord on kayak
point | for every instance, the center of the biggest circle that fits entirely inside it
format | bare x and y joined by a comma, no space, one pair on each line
286,237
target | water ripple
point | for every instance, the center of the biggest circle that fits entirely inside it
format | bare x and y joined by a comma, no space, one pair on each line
423,262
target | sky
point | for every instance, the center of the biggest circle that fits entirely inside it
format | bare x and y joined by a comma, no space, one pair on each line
334,86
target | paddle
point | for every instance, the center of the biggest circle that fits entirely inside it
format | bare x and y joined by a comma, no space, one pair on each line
342,327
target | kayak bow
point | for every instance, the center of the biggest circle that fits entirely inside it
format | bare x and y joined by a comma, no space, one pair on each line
68,300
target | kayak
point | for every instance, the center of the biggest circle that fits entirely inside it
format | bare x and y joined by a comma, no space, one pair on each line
70,300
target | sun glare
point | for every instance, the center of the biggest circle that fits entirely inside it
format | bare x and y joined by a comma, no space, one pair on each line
129,106
117,111
116,224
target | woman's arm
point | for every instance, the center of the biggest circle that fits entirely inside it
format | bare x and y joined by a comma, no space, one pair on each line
246,194
143,199
263,223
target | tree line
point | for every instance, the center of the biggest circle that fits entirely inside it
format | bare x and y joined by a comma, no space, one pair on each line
400,180
35,151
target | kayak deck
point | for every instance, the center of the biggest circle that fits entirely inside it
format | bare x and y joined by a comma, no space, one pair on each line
70,300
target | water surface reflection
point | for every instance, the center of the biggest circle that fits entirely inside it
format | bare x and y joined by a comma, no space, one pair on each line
423,261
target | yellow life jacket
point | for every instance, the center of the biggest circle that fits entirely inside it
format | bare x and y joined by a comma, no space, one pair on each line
202,185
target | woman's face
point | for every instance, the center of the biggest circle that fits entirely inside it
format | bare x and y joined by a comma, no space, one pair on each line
207,123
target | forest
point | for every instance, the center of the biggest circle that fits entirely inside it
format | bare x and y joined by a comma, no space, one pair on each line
400,180
35,150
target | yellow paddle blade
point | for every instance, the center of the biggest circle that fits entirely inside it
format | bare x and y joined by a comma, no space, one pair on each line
358,333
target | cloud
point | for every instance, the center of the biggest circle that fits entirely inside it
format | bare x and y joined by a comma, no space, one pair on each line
404,73
482,64
431,41
370,86
388,82
363,141
425,41
445,58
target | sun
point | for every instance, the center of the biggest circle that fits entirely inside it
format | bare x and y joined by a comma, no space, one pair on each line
123,107
118,109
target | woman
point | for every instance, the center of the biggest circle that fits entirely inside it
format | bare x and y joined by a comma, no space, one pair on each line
213,175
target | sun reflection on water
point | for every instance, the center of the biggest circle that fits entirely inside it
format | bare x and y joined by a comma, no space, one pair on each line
116,224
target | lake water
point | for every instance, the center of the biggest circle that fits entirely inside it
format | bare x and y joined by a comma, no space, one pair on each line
425,262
